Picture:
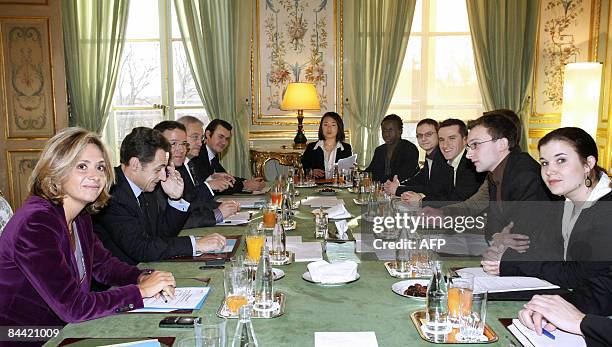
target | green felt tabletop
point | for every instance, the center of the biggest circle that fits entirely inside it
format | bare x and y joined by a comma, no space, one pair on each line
365,305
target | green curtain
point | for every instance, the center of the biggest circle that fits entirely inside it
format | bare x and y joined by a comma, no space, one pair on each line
216,38
94,32
504,38
376,36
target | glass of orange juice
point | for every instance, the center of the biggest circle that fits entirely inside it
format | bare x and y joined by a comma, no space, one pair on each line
254,243
460,292
236,285
269,216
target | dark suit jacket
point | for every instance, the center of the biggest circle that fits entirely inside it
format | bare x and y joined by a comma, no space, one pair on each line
404,161
588,251
39,279
201,205
594,299
121,226
314,159
441,191
523,192
203,169
435,184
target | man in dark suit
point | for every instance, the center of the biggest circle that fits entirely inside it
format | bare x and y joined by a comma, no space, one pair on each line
146,211
423,182
458,179
396,157
203,210
218,134
516,189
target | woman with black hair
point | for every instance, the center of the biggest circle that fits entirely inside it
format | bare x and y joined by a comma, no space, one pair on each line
321,156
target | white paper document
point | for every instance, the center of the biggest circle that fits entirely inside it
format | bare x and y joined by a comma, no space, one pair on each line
143,343
338,212
245,202
240,218
306,251
186,298
496,284
347,163
529,338
346,339
322,201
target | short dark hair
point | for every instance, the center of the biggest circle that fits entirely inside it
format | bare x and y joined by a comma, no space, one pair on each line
338,119
142,143
169,125
393,118
513,118
453,121
582,143
498,126
212,126
429,121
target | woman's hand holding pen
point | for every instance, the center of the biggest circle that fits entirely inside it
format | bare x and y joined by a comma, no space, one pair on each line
155,283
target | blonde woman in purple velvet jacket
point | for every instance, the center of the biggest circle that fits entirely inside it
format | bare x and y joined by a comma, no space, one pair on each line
49,252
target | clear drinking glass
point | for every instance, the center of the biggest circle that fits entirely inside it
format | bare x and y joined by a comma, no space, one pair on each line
237,287
254,242
472,322
460,290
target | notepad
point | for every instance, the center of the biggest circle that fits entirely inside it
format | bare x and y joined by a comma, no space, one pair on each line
186,298
496,284
529,338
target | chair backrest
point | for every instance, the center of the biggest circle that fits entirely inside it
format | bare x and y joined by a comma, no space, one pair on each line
6,212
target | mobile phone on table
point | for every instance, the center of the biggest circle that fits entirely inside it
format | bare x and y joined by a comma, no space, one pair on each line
213,264
178,322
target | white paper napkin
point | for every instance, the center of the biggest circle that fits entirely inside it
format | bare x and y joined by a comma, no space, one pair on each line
337,212
340,272
346,339
342,227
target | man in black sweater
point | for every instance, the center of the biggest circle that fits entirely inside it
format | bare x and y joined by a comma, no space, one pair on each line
396,157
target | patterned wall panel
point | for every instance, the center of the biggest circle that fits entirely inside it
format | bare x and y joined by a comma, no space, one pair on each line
28,93
20,164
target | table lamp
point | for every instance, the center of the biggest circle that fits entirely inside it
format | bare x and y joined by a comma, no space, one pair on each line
300,96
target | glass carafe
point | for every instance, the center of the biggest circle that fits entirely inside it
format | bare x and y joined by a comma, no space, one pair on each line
436,313
264,290
245,335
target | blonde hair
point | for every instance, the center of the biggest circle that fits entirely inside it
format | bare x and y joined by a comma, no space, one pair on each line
57,160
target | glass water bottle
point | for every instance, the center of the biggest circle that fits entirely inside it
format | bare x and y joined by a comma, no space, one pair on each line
264,290
437,302
245,335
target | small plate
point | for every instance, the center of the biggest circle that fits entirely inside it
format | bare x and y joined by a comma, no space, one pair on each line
327,192
399,288
360,202
305,185
306,277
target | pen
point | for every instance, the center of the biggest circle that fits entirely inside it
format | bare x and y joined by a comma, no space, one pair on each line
161,293
548,334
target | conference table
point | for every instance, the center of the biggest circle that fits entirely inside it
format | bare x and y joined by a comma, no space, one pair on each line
365,305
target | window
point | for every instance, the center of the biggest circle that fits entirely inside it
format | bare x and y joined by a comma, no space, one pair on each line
438,77
154,81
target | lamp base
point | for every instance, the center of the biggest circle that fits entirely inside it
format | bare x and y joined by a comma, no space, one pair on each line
299,142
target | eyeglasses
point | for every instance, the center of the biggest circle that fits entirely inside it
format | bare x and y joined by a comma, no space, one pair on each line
475,145
427,134
179,144
196,137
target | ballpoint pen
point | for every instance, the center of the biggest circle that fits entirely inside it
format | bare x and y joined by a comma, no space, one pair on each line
161,293
548,334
